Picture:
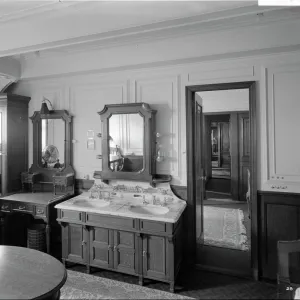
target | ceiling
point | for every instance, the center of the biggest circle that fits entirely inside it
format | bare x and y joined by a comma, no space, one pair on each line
137,10
30,26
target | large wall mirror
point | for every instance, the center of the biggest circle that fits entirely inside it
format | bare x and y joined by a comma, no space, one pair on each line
52,141
128,142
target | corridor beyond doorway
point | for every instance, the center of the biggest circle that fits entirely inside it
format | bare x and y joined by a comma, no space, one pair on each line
226,240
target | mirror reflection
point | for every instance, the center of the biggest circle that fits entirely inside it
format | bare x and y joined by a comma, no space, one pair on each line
53,143
126,142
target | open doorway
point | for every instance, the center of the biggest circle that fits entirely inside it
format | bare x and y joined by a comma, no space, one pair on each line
226,153
227,194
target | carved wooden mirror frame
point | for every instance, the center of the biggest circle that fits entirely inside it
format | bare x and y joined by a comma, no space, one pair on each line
47,173
149,164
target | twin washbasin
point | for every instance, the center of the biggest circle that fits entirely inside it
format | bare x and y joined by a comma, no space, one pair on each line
91,203
138,209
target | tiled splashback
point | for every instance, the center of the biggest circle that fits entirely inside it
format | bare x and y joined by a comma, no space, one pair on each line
159,192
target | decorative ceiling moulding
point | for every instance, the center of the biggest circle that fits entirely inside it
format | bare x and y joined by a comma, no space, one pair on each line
216,21
5,82
37,8
260,53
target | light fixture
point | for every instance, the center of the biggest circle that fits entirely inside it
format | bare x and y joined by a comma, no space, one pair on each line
159,154
44,109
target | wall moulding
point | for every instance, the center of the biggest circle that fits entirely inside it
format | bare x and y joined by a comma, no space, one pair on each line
162,94
283,123
207,75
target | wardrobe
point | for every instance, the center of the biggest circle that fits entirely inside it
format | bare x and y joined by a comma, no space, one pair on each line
13,141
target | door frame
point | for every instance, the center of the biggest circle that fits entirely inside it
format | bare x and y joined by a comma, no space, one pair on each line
191,184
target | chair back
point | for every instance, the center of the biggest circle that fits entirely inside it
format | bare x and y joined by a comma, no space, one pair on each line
285,288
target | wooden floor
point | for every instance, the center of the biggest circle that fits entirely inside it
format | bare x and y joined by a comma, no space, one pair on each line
221,185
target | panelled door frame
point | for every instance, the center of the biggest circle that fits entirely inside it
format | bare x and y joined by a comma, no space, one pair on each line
191,182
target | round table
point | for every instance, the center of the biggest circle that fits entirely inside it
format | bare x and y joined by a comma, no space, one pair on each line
29,274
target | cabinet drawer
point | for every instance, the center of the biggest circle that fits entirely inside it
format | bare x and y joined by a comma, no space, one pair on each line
29,208
153,226
111,222
5,206
40,211
71,215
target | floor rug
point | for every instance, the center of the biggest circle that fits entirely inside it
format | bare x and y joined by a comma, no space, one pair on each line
224,227
84,286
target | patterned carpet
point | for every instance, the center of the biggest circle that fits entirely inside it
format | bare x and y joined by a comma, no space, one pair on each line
84,286
223,227
197,284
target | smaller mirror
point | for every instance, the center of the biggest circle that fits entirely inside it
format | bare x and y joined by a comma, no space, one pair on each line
53,143
126,142
51,169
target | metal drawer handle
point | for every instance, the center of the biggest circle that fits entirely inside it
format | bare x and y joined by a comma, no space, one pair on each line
83,243
115,248
144,253
21,207
40,211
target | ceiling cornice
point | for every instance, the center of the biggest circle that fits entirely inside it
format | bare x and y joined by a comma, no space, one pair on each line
42,7
234,56
222,20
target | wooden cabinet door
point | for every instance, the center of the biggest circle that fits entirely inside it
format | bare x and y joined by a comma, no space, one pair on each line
101,247
244,153
279,222
74,245
125,252
155,264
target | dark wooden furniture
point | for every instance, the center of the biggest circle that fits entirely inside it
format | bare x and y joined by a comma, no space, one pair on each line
14,140
39,205
145,248
30,274
285,286
47,179
31,179
140,166
279,220
63,183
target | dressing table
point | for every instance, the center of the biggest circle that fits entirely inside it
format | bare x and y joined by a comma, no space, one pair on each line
50,179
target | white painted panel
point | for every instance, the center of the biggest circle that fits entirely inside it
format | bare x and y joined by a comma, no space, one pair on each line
153,85
86,101
218,74
284,123
161,94
225,100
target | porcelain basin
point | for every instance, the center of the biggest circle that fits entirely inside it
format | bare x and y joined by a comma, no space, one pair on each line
91,203
149,209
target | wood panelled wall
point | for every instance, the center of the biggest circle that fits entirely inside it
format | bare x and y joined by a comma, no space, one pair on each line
278,219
